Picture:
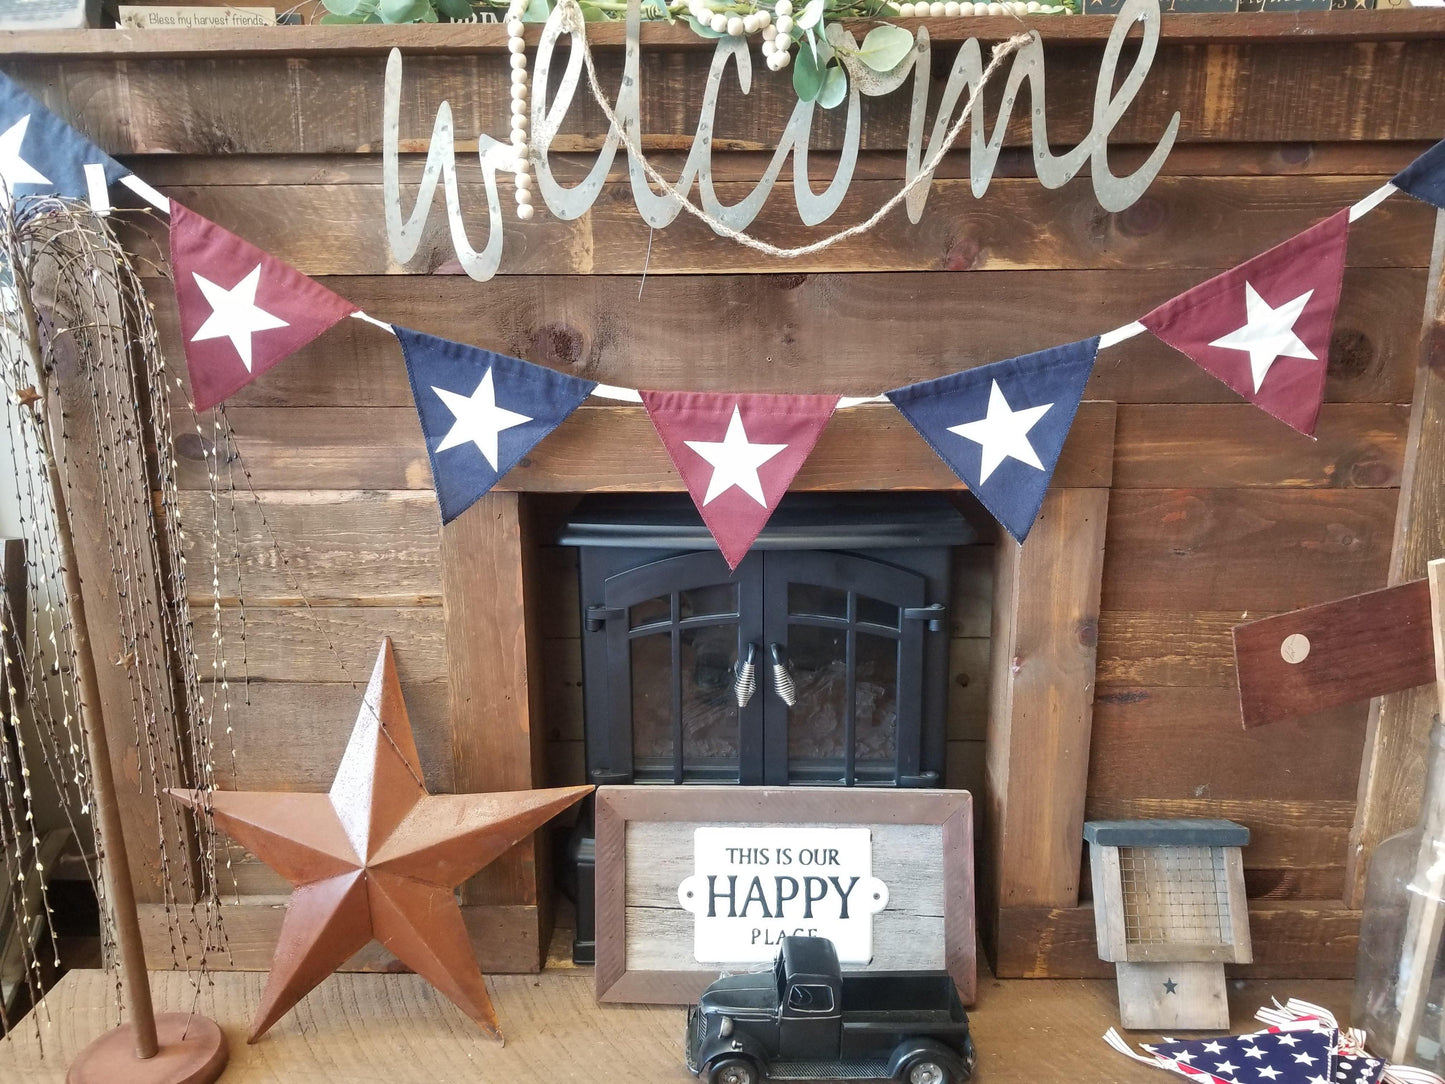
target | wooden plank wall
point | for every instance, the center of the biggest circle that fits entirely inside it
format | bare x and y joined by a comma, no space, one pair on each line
1217,513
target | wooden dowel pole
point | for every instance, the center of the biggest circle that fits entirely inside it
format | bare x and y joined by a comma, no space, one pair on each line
116,865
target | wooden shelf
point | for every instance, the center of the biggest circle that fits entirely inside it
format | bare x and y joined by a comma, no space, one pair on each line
395,1028
472,38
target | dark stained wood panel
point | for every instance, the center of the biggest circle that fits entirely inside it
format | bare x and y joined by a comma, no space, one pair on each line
605,449
1167,647
1208,223
1295,939
1163,742
1359,647
764,331
291,735
1253,90
324,546
326,643
1247,549
1305,834
1168,446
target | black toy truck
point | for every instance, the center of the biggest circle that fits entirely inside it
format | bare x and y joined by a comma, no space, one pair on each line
805,1020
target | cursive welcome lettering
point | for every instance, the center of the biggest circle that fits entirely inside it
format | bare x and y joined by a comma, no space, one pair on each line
659,209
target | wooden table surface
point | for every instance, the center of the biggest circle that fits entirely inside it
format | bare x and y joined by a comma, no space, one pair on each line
394,1029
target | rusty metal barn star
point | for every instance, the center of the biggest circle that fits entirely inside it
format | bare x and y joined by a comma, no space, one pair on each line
378,858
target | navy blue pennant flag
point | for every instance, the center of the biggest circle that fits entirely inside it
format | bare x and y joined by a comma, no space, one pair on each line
1001,427
1424,178
481,412
42,155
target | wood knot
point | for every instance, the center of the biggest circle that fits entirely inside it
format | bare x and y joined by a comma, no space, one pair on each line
1351,353
560,346
964,254
194,447
1087,632
1144,217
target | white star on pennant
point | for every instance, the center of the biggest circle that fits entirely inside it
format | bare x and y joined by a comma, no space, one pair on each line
1253,1052
1286,1039
1185,1056
235,314
735,461
1268,333
1226,1067
479,420
1003,433
1304,1058
1212,1048
1268,1072
13,168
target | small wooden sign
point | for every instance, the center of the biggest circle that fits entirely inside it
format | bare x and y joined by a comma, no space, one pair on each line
693,881
1335,653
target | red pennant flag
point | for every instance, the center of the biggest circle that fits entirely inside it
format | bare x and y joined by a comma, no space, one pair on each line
242,311
1264,327
737,454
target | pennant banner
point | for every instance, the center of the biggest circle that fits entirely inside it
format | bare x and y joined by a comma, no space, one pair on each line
1264,327
1001,427
1424,178
737,454
40,154
242,310
481,412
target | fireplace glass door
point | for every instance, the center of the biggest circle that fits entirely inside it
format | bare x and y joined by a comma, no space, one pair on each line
835,692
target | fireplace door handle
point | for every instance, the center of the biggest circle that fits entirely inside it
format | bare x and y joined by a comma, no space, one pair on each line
782,676
745,676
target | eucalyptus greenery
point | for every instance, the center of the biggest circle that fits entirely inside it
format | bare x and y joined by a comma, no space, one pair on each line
818,73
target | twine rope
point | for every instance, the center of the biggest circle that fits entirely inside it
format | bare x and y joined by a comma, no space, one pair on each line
575,24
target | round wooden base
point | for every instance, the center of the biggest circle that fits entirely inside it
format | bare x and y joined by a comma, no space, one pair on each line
192,1051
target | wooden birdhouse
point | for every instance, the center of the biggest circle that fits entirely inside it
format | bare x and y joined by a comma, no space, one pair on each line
1170,912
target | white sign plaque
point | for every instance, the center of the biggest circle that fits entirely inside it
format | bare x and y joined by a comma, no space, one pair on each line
750,887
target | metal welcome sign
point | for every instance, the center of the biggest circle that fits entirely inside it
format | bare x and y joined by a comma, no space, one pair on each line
751,887
658,210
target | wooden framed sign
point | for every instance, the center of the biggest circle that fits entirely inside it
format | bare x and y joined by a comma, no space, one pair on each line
695,881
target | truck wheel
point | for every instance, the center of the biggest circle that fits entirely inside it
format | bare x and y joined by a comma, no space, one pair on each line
926,1069
733,1071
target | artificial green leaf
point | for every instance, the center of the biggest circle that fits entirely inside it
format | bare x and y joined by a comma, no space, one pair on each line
835,87
699,28
403,11
807,75
536,12
591,13
885,47
454,9
332,19
812,13
347,8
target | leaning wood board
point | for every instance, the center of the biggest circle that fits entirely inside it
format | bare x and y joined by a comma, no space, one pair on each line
922,849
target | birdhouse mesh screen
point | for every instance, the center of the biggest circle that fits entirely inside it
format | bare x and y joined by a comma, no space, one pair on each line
1175,895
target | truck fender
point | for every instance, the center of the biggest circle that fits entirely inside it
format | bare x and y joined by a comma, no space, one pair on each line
734,1046
960,1068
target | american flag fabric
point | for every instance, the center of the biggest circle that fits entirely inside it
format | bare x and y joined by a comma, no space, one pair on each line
1424,178
737,454
480,412
42,155
1001,427
1304,1045
242,310
1265,1057
1264,327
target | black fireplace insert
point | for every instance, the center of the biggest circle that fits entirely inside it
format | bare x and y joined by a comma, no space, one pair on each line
821,660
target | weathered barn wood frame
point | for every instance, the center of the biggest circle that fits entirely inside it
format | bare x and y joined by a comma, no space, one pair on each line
1175,514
